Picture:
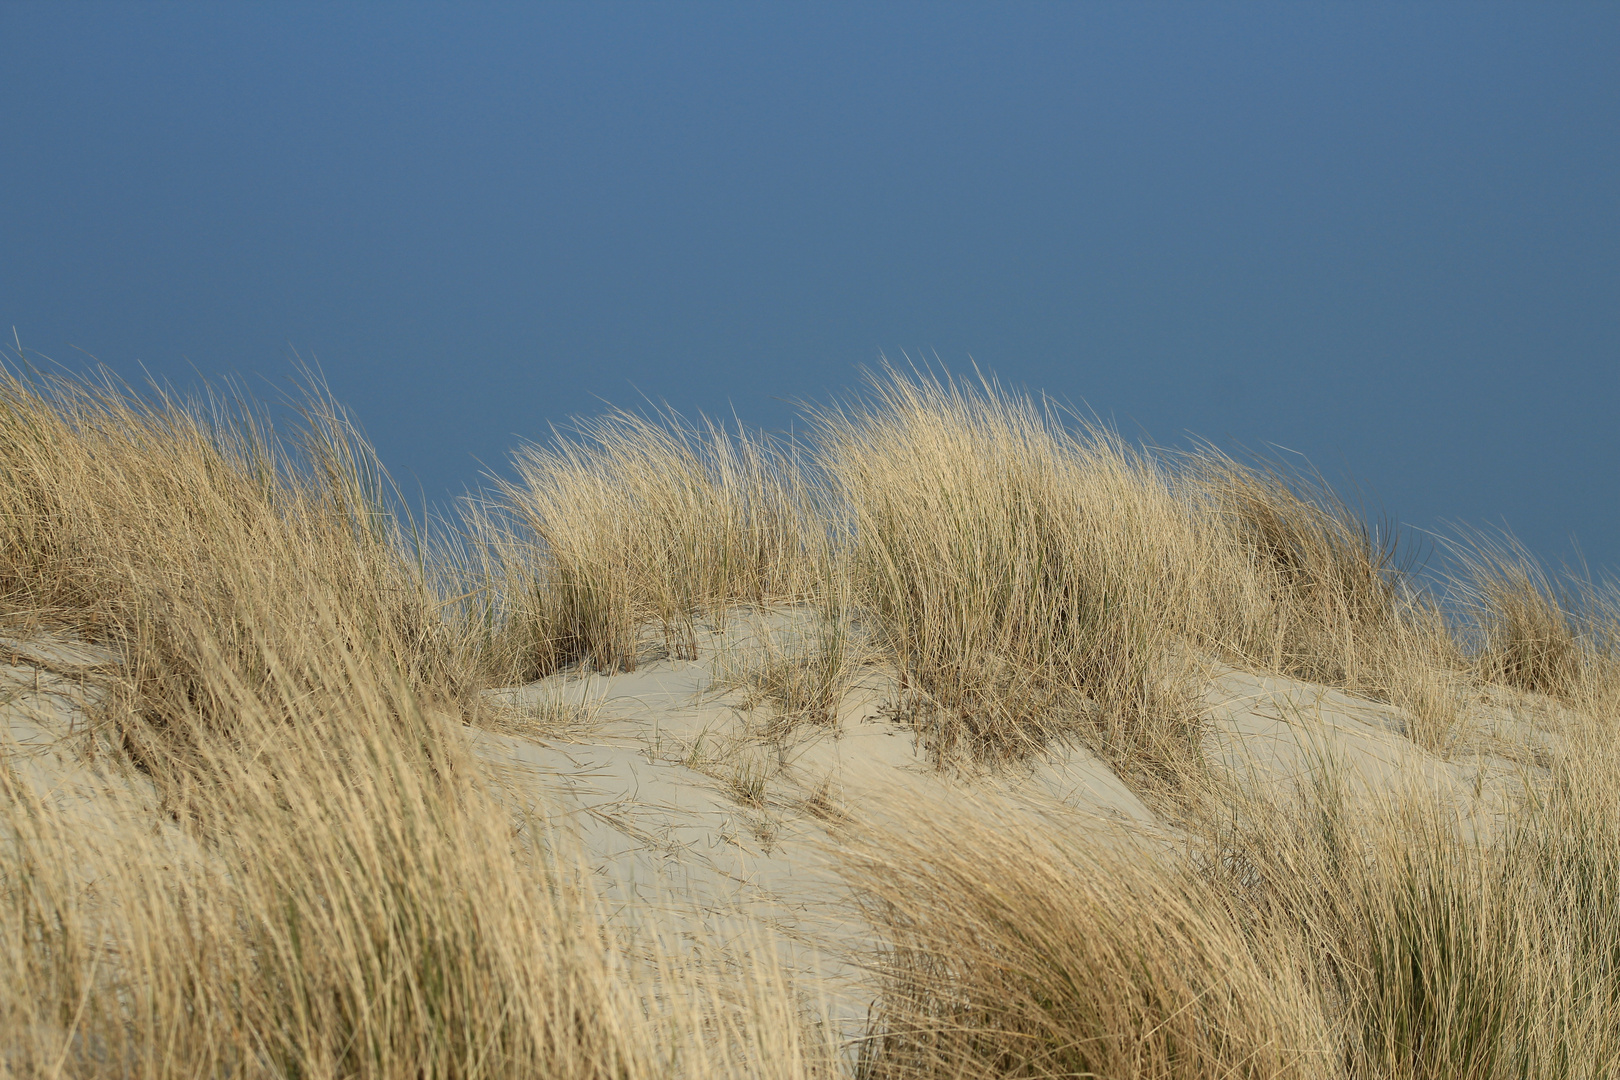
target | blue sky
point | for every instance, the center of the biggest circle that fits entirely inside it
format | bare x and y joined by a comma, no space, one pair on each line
1386,237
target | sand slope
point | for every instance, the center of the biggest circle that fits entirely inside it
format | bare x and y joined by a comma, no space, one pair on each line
680,795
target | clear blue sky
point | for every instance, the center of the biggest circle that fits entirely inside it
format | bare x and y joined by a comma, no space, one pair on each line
1385,236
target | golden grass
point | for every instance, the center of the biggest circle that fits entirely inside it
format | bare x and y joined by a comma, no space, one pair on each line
1300,584
1028,573
1440,953
802,678
1309,938
1022,951
634,521
1032,577
1527,628
1028,578
1312,588
345,901
293,865
135,524
333,892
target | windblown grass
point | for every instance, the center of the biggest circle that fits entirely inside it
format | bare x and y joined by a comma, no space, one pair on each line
1316,938
1440,952
293,865
1299,583
346,900
332,891
131,522
635,520
1028,573
1527,628
1029,578
1019,951
802,671
1312,590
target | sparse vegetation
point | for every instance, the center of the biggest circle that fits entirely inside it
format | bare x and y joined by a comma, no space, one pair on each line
278,853
746,782
800,670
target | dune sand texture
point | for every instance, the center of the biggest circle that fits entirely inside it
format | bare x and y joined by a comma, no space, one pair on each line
682,797
671,786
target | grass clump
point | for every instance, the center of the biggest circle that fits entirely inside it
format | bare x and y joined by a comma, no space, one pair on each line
636,520
342,909
347,900
1018,951
1442,951
142,523
799,662
1527,631
1027,577
1311,591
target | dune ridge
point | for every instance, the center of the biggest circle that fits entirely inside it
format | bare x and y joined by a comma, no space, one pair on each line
962,738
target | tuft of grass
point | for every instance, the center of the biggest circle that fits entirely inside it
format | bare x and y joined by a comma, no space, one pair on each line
143,522
1525,628
747,782
556,712
1026,577
802,673
1435,701
1301,584
1018,951
636,520
1326,581
1439,951
826,804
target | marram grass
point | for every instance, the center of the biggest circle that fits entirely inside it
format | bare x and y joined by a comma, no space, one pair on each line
292,866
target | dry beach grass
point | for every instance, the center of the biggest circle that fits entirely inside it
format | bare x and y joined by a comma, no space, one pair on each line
259,831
